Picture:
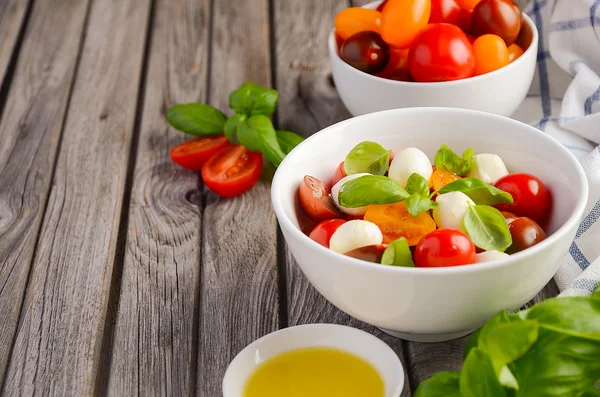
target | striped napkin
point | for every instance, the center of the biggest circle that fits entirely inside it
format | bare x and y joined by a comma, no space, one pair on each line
564,102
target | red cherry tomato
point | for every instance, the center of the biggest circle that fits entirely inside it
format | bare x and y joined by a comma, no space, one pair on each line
323,231
193,153
509,216
315,200
444,247
366,51
232,171
525,233
402,20
372,253
339,174
499,17
531,197
396,68
441,52
447,11
468,4
464,22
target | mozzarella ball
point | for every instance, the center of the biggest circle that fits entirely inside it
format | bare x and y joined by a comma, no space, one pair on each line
408,161
355,234
335,191
451,209
488,167
488,256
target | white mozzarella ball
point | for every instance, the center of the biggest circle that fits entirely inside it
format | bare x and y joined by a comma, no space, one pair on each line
355,234
488,167
408,161
451,209
335,191
488,256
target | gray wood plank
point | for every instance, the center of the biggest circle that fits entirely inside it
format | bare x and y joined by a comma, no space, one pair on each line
154,344
29,135
239,290
58,344
12,18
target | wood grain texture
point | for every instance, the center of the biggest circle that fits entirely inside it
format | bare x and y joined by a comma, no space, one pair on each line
58,345
12,18
155,335
29,135
239,290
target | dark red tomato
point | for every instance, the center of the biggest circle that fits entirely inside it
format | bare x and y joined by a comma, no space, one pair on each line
464,21
232,171
396,68
509,216
444,247
531,197
323,231
339,174
525,35
499,17
315,200
193,153
525,233
366,51
372,253
380,6
447,11
441,52
338,40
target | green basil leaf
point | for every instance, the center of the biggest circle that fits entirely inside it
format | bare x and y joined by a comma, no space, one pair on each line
440,384
416,184
288,140
473,341
592,392
265,103
253,99
417,204
477,377
398,253
478,191
257,134
487,228
231,126
446,158
371,189
596,293
196,119
369,157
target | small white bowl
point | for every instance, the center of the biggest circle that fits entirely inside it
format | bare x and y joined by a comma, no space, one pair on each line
500,92
351,340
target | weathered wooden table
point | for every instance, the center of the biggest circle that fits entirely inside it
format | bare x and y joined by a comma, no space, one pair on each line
120,273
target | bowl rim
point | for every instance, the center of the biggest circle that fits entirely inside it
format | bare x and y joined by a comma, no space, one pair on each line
572,221
333,53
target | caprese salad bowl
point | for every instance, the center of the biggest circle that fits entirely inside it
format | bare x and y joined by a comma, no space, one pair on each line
434,302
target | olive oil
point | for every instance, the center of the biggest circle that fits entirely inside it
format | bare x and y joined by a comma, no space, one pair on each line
315,372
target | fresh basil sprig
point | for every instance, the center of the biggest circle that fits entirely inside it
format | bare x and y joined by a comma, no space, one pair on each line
478,191
288,140
371,189
487,228
398,253
419,200
196,119
369,157
446,158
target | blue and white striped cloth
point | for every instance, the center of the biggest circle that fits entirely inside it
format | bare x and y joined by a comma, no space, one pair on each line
564,102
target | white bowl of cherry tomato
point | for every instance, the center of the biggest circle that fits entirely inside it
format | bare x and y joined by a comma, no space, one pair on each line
472,54
426,222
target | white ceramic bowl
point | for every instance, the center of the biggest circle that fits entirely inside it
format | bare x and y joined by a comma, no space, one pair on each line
348,339
500,92
432,304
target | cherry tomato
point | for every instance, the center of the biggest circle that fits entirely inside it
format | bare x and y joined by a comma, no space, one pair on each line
356,19
441,178
490,53
531,197
467,4
499,17
396,68
338,40
509,216
339,174
232,171
395,222
402,20
471,38
525,35
193,153
444,247
380,6
372,253
514,52
315,200
525,233
323,231
366,51
447,11
441,52
464,22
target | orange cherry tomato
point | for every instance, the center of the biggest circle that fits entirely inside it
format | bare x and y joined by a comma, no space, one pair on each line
490,53
514,52
402,20
315,200
356,19
395,222
441,178
467,4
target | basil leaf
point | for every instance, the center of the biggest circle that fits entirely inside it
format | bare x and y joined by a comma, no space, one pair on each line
477,377
265,103
371,189
416,184
440,384
596,294
446,158
252,99
592,392
478,191
417,204
196,119
487,228
231,126
398,254
257,134
288,140
369,157
473,341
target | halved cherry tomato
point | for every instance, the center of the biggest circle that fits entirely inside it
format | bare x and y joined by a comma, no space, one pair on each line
447,11
531,197
352,20
444,247
490,53
372,253
316,201
499,17
232,171
395,221
441,178
193,153
323,231
338,174
402,20
525,233
514,52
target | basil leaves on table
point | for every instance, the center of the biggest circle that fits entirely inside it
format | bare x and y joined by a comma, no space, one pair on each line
253,99
398,253
487,228
367,157
257,134
196,119
288,140
446,158
478,191
371,189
